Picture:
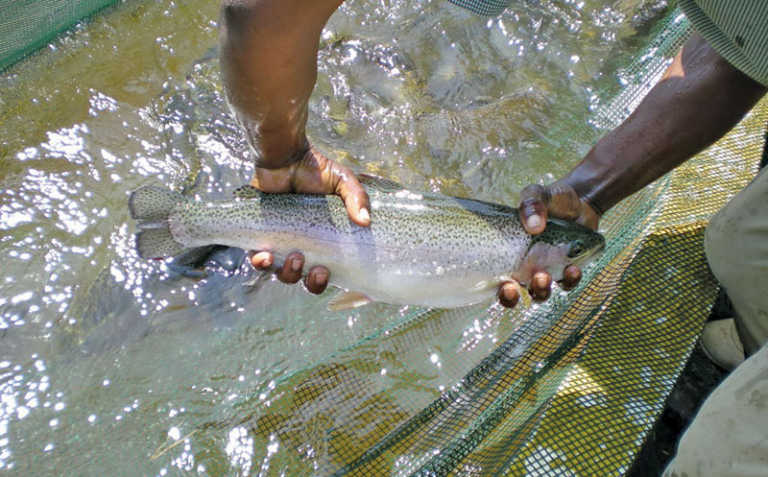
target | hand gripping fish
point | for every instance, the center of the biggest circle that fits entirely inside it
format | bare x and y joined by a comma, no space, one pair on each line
421,248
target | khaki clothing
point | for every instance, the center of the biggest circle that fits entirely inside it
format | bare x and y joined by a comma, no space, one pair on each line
737,29
729,436
737,250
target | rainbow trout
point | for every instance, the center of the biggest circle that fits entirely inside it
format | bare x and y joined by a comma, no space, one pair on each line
421,248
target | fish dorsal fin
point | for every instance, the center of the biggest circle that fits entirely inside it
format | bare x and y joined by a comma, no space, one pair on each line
380,183
247,192
348,300
153,204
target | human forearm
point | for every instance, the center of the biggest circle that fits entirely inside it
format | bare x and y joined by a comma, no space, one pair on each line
700,98
269,67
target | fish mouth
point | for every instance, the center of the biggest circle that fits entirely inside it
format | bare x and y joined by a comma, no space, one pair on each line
599,249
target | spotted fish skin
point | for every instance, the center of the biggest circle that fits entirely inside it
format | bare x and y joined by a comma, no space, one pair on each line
420,249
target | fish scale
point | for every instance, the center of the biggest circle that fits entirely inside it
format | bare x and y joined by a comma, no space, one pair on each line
421,248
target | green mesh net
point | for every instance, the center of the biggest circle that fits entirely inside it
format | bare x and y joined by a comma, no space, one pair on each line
28,25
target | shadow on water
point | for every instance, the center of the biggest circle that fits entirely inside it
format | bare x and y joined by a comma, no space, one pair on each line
106,318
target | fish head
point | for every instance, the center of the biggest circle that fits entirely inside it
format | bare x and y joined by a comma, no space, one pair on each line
561,244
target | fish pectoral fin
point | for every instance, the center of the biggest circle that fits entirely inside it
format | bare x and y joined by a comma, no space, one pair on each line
348,300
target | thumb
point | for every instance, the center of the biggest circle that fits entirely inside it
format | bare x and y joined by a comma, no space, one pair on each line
355,198
533,208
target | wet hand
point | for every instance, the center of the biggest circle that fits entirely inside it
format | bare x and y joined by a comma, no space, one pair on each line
540,287
313,174
536,204
291,271
560,200
316,174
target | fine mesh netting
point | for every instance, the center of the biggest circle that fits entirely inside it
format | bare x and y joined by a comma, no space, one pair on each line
572,387
27,25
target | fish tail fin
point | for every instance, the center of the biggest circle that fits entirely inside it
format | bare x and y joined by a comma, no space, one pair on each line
153,204
158,243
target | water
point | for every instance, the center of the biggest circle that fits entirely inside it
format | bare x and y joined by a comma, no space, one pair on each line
113,365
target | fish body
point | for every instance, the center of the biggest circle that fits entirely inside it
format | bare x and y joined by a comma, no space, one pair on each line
420,249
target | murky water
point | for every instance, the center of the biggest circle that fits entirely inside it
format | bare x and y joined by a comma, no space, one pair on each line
110,365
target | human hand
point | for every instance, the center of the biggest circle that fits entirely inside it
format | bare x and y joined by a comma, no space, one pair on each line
313,174
536,204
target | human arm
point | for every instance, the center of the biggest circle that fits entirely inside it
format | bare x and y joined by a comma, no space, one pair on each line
269,68
699,99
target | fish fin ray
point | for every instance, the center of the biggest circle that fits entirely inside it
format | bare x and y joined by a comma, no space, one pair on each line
348,300
157,243
153,204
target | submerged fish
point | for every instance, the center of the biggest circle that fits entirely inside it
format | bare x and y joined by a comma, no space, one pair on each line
421,248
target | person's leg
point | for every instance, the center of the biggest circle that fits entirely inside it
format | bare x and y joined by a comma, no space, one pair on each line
729,436
737,250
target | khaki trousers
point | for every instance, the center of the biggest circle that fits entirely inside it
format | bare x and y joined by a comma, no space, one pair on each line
737,250
729,435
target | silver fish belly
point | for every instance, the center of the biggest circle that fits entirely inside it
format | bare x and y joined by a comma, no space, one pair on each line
420,249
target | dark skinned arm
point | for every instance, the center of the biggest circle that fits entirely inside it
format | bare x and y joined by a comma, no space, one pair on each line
699,99
269,67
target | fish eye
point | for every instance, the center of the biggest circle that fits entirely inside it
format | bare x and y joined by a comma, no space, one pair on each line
576,249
